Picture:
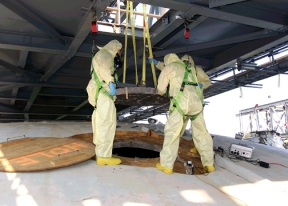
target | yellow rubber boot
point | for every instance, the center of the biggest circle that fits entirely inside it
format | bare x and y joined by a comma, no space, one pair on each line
209,168
194,151
164,169
108,161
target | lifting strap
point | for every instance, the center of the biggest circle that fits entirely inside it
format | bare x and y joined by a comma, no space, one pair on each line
133,39
147,35
143,81
125,48
185,82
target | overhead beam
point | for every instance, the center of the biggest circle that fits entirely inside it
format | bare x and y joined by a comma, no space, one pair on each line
32,98
178,35
42,44
4,119
247,37
24,42
15,112
63,95
29,15
7,87
115,29
243,51
79,93
123,15
13,68
14,94
83,31
216,14
22,59
149,14
26,116
12,98
74,110
213,3
159,31
53,105
42,84
242,80
21,64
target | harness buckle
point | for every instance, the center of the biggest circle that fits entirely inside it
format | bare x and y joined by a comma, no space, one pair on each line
182,87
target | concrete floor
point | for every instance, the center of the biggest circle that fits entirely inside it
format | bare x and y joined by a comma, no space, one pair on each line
233,183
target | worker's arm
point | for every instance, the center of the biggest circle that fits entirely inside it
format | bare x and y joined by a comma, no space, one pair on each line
203,78
163,81
159,65
91,91
104,62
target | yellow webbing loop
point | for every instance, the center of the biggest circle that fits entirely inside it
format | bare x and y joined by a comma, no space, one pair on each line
133,38
143,81
149,46
125,49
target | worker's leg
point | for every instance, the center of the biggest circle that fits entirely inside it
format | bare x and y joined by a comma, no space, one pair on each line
202,140
185,122
94,129
172,131
104,124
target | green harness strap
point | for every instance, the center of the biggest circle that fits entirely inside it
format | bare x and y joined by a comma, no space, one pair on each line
176,100
99,85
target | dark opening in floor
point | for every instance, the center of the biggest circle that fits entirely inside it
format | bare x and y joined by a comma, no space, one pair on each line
135,152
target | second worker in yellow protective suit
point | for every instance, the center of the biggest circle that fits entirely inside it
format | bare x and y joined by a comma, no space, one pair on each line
101,95
186,103
203,81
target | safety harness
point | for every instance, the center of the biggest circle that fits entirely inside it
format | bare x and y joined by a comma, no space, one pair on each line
100,83
185,82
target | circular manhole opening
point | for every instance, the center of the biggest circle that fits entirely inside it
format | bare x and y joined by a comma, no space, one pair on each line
133,149
132,152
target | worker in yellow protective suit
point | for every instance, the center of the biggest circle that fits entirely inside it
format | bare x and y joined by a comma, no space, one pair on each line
101,95
202,79
186,102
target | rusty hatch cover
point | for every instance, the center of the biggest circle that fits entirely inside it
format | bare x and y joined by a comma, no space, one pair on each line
37,154
139,96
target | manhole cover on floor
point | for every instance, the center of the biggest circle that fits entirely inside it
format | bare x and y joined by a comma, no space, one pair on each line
149,141
36,154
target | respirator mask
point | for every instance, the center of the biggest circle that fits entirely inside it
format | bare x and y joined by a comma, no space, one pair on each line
117,61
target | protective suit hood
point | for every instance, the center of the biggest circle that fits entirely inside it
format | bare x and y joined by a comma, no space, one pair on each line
112,47
169,58
188,59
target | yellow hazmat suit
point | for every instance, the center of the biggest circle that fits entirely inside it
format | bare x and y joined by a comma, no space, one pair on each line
104,115
191,105
202,78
